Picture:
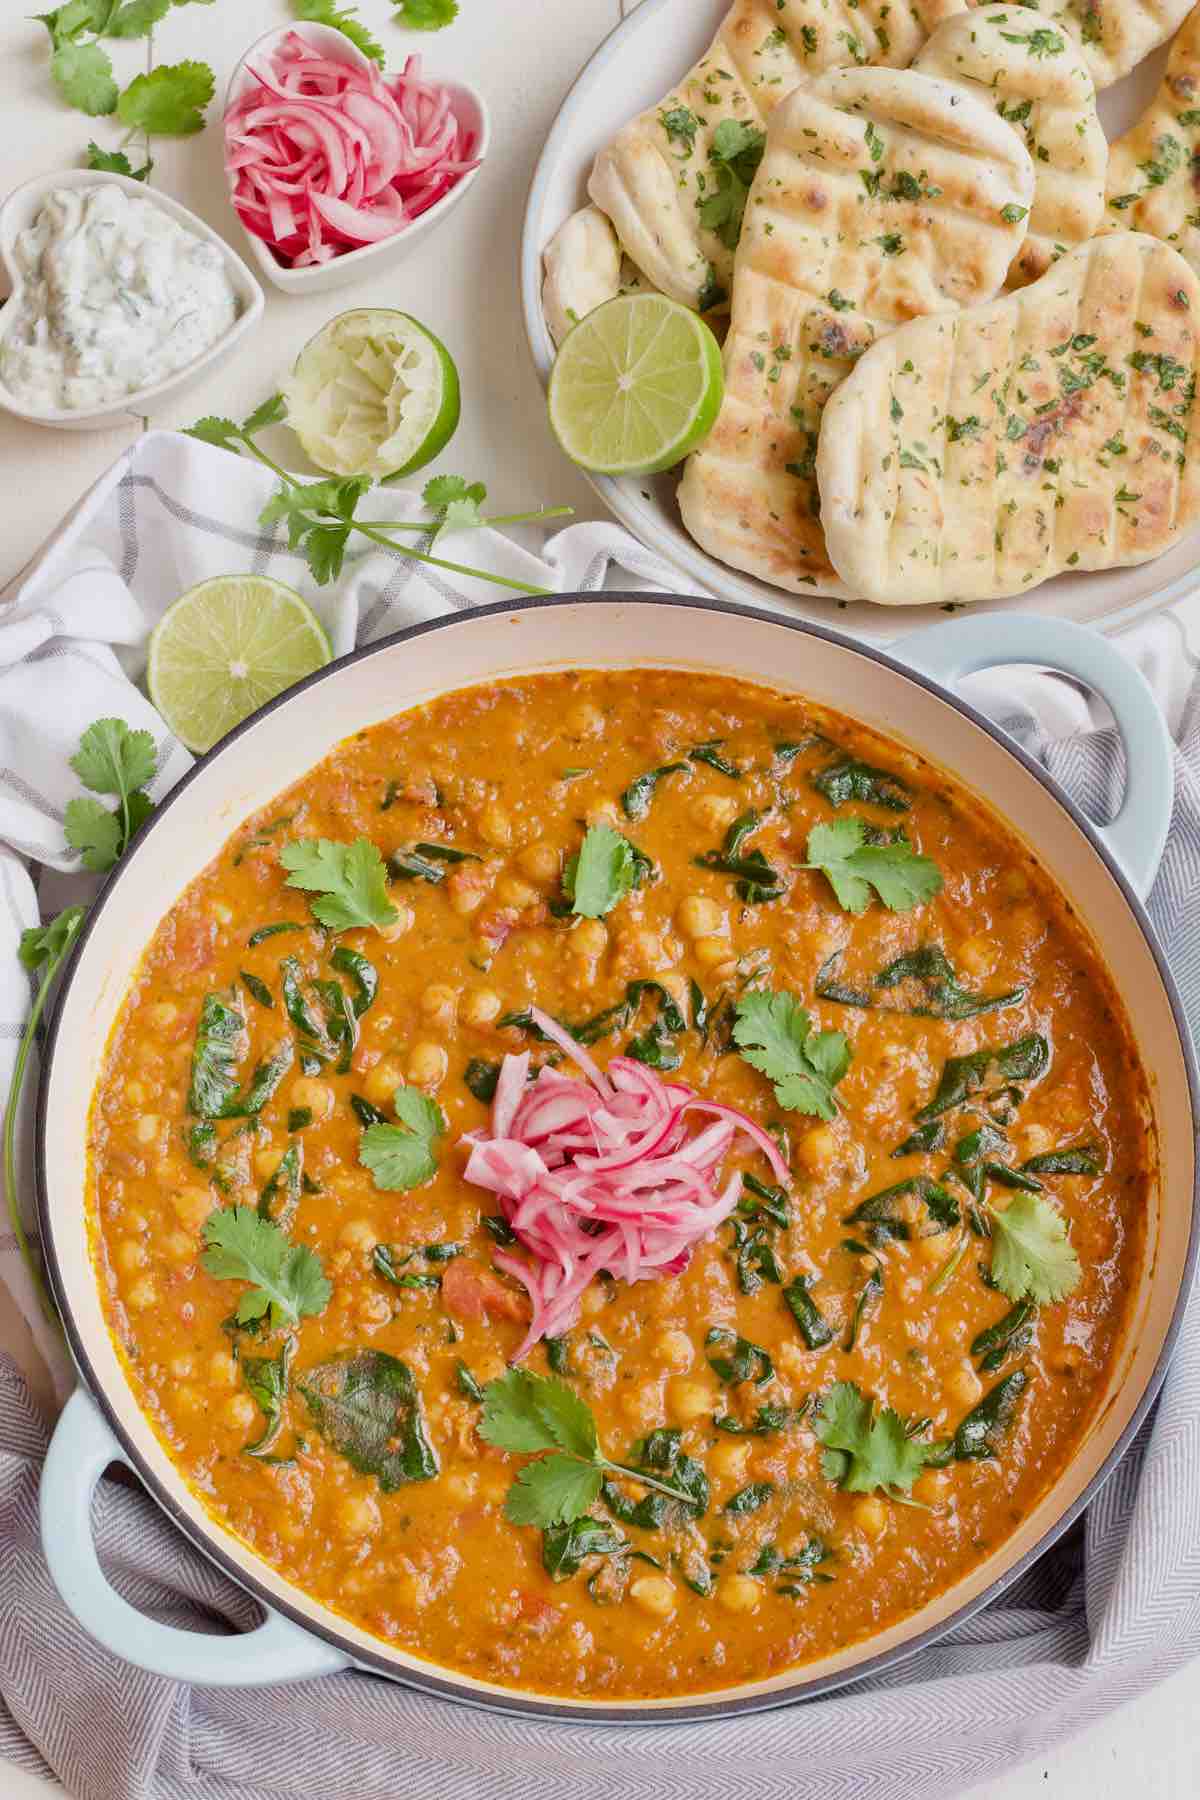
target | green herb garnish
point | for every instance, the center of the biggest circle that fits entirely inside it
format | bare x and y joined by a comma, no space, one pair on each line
853,865
775,1035
401,1156
286,1280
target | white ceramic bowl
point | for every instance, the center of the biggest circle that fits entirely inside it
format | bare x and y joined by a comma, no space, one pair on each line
633,68
20,210
1102,871
467,102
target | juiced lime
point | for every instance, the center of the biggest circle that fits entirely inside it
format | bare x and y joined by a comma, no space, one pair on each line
225,648
374,393
635,386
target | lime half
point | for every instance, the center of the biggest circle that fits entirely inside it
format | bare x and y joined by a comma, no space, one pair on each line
374,393
636,385
225,648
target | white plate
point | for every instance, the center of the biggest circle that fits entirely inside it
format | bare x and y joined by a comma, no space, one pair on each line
634,68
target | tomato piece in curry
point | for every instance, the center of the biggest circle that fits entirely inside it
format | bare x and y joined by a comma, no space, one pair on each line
873,1334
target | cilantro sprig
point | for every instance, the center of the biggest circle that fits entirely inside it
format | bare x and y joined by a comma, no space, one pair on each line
843,852
401,1156
350,879
320,515
866,1449
286,1280
344,19
603,873
535,1414
426,15
1032,1255
170,101
775,1035
111,759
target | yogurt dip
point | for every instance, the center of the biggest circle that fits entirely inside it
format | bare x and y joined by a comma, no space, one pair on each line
115,297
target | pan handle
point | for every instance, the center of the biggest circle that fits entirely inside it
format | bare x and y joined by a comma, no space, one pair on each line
81,1449
1138,834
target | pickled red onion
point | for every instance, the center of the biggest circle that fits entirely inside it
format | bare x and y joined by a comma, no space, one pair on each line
601,1175
325,156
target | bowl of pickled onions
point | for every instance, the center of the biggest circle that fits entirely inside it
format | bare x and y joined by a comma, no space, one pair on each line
333,164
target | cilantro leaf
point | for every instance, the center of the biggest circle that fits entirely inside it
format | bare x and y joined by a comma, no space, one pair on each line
286,1279
553,1491
94,831
270,412
1032,1255
345,20
853,866
136,18
605,871
115,162
169,101
50,943
401,1156
83,75
350,878
214,430
774,1034
864,1451
112,759
734,156
426,15
528,1413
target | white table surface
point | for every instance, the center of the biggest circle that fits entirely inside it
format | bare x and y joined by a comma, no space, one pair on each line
463,281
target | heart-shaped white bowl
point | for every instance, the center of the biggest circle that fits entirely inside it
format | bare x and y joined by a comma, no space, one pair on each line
471,110
21,209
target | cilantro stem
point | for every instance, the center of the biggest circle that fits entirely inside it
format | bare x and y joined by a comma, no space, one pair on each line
946,1273
10,1129
521,518
647,1481
439,562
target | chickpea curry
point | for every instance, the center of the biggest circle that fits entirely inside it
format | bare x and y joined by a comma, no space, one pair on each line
619,1183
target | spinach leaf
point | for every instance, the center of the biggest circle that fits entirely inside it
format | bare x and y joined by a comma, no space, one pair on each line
926,1138
963,1076
813,1326
388,1261
315,1045
269,931
637,798
758,882
709,754
365,1112
978,1437
934,989
201,1141
499,1229
299,1118
767,1419
757,1201
660,1453
756,1261
366,1404
467,1384
558,1355
750,1498
1082,1159
978,1144
881,1210
565,1546
743,1360
427,862
481,1078
362,974
846,781
870,1292
263,1083
257,990
214,1058
286,1182
1012,1333
267,1379
801,1568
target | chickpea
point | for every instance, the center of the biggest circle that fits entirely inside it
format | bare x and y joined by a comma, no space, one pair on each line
871,1515
147,1128
641,1405
239,1412
639,947
439,1003
689,1401
739,1594
220,912
931,1486
465,896
728,1461
186,1402
933,1249
977,954
135,1093
130,1255
461,1487
143,1294
179,1247
427,1065
1014,884
495,825
357,1515
481,1006
1029,926
181,1367
540,861
592,1301
382,1081
674,1348
589,938
372,1309
818,1149
712,812
793,1360
222,1370
358,1234
654,1594
411,1592
266,1162
710,951
163,1012
403,921
584,720
511,891
317,1096
963,1385
699,917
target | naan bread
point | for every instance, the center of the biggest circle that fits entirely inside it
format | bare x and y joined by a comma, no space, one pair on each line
1154,170
584,267
1051,98
883,195
1114,35
977,454
674,181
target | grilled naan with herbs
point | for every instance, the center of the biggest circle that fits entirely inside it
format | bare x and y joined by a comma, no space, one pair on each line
883,195
674,181
1152,170
1038,81
1114,35
977,454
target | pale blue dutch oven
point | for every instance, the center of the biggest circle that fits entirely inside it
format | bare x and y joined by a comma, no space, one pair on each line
1107,872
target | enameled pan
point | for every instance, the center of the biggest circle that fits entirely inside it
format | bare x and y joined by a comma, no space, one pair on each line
1105,872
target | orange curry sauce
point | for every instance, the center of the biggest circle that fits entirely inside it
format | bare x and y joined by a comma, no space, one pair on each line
513,773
